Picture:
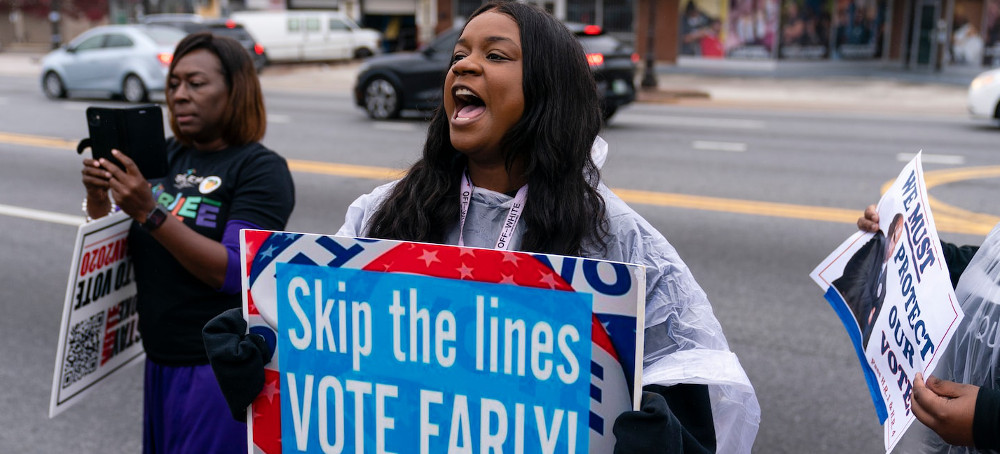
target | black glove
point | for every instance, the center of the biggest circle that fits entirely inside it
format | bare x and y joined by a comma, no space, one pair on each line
237,359
656,429
653,429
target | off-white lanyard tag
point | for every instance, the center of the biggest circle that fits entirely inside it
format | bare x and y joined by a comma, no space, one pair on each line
514,215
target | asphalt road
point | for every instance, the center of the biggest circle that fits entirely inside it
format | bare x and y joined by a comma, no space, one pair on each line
752,199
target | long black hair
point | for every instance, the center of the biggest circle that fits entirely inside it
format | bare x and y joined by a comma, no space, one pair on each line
553,139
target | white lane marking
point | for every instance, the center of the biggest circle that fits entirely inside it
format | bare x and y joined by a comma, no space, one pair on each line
734,147
392,126
279,118
698,122
39,215
947,159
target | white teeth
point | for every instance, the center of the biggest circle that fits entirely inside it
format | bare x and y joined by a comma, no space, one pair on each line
463,92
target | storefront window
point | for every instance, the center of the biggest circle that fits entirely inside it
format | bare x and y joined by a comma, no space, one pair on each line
805,29
966,46
745,29
582,11
752,29
859,28
467,7
701,29
618,17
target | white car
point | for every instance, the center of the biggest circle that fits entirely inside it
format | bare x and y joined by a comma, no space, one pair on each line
304,35
120,60
984,95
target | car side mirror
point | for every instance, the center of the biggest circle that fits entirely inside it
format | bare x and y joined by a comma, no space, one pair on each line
69,49
429,52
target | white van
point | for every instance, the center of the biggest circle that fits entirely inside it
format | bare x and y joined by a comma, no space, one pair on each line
301,35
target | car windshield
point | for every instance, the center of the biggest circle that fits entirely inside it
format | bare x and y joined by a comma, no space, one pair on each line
166,36
445,43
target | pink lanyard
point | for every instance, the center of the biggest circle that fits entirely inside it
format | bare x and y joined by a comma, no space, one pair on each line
514,215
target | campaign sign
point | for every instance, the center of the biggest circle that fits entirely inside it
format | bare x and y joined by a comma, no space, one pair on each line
387,346
99,334
893,293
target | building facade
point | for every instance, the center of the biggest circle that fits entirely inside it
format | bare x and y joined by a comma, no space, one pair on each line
916,34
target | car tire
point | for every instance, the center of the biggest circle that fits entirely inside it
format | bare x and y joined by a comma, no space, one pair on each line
53,86
381,99
133,90
363,52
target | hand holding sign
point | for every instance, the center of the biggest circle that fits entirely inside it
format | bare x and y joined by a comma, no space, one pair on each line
892,291
946,407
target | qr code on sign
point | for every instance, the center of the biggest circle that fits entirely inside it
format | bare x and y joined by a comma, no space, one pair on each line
84,350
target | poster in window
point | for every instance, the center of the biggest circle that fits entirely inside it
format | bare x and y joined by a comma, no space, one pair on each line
752,29
805,29
701,31
859,29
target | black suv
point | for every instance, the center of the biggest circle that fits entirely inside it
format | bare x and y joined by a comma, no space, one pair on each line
192,23
389,83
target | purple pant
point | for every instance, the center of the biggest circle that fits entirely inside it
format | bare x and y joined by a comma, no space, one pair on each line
184,412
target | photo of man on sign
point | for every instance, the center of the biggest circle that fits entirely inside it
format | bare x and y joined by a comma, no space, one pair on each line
863,283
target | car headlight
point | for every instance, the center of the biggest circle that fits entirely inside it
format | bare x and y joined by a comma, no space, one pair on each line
981,81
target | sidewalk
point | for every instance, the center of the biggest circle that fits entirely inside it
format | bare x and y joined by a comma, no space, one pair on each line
836,94
826,86
873,87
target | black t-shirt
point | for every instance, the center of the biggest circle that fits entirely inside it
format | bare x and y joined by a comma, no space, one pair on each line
205,190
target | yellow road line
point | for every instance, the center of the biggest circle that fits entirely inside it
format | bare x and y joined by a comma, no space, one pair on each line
783,210
36,141
948,218
345,170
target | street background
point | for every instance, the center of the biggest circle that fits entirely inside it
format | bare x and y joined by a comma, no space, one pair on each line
812,86
754,179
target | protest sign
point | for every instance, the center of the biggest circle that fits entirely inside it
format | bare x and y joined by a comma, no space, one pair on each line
412,347
99,334
893,293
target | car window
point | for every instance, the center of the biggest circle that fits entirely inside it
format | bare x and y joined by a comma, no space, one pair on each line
599,43
191,27
94,42
293,24
312,24
164,36
339,25
117,40
445,43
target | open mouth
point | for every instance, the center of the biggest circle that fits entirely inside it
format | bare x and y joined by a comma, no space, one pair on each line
468,105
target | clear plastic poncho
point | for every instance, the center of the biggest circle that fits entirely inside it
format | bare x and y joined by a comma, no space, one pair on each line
684,342
972,356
